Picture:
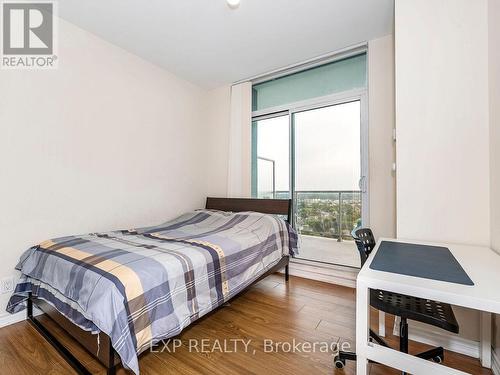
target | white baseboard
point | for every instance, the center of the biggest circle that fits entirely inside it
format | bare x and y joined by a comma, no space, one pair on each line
7,319
345,276
495,362
447,340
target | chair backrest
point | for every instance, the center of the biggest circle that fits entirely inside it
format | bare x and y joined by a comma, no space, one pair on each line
365,242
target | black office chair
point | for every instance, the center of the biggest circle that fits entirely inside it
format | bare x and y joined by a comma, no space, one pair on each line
406,307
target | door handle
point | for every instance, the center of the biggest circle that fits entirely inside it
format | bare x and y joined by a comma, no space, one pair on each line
362,184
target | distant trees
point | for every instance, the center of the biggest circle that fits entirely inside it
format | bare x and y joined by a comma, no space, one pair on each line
320,216
318,213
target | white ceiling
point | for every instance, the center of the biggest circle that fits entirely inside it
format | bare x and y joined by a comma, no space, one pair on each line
209,44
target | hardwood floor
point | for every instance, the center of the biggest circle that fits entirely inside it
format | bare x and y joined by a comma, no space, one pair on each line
304,310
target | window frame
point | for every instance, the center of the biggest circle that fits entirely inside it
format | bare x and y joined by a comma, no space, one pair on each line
290,109
253,146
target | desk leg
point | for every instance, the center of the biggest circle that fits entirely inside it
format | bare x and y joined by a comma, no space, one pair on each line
485,344
362,327
381,323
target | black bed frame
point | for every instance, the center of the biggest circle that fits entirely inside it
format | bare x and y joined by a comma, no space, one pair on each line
106,355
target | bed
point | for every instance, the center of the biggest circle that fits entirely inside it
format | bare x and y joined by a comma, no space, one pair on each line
118,293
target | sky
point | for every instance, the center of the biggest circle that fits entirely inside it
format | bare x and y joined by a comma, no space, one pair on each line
327,149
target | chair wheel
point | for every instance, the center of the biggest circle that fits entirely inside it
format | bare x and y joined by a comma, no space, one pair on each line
339,363
438,359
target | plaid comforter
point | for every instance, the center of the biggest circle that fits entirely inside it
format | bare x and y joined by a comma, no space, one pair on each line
142,285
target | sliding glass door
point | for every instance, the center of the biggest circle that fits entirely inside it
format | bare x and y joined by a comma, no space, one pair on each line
316,154
327,177
310,143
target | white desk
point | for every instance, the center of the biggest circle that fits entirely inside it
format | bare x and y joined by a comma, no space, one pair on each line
483,267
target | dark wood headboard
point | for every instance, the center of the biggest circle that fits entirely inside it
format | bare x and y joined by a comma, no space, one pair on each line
265,206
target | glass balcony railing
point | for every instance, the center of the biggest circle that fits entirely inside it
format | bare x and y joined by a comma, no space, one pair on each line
328,214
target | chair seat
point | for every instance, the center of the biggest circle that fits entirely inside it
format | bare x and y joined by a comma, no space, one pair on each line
422,310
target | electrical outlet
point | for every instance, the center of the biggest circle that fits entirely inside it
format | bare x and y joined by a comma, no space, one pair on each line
7,285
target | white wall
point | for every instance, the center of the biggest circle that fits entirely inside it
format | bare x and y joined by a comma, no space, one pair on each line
494,102
106,141
442,120
239,177
381,143
217,142
441,50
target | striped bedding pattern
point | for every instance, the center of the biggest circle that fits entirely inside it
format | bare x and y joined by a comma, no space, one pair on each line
139,286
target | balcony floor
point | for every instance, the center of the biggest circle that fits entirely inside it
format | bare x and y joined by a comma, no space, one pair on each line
329,250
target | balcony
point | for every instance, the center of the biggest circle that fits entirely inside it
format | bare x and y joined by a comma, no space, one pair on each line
327,250
325,220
